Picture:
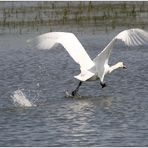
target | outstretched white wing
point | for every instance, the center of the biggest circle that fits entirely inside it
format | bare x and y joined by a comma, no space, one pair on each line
131,37
69,42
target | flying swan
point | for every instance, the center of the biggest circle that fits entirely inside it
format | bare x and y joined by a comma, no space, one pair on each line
90,69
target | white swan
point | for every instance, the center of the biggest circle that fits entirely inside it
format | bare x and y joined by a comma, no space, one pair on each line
90,69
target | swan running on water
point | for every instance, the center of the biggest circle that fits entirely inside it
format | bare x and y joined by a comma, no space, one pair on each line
98,67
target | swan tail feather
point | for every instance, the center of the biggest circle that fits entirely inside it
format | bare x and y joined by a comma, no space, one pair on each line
84,76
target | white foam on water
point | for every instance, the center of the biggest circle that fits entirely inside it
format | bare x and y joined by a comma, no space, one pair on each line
19,98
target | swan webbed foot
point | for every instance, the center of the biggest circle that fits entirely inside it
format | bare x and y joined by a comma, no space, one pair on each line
75,93
103,84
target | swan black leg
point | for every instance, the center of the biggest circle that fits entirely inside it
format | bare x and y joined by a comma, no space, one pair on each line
74,93
103,84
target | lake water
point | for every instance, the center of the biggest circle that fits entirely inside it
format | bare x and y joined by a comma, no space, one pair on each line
114,116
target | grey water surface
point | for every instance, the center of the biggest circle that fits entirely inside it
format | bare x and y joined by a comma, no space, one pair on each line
114,116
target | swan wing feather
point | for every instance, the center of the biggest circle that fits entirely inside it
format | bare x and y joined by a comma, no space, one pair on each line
130,37
69,41
133,37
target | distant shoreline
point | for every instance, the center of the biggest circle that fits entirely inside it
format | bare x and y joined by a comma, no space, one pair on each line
23,17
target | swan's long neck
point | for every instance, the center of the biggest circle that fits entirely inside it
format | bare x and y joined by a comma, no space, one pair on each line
116,66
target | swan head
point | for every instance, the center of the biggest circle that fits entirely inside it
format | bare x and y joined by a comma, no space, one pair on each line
116,66
122,65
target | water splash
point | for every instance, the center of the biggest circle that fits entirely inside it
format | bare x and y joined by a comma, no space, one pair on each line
19,98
